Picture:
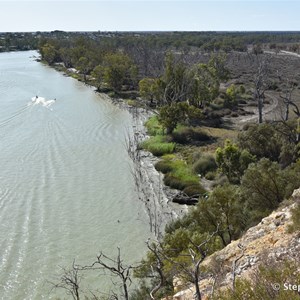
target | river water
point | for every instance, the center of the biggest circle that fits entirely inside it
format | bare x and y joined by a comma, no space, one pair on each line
66,191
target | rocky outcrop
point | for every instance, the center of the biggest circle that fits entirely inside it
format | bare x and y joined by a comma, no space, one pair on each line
267,241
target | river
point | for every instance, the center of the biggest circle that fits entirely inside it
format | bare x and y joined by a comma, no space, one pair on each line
66,191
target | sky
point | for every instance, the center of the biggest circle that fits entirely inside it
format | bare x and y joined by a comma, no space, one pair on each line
140,15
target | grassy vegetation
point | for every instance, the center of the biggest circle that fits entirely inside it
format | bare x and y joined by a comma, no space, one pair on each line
158,145
154,127
179,175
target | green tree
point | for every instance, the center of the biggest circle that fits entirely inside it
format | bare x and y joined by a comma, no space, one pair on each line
117,68
263,185
232,161
149,89
231,96
98,74
205,86
222,211
83,66
48,53
170,115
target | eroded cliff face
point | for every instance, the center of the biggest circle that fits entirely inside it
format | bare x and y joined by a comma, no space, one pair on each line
268,242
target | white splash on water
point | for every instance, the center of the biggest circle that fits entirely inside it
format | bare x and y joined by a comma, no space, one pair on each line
41,101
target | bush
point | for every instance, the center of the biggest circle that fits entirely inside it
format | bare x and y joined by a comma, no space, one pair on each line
210,175
205,164
164,166
185,135
193,190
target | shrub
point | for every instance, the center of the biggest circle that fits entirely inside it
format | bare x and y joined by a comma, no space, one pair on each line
205,164
195,189
210,175
186,135
164,166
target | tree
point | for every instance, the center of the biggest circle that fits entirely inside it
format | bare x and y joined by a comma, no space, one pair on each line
261,83
98,74
175,82
49,53
261,141
83,66
205,86
223,210
232,161
149,89
263,185
231,96
170,115
117,68
69,281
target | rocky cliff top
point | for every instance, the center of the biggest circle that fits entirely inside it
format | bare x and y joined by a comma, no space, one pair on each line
265,242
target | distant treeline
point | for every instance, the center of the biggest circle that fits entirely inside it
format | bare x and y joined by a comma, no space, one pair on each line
18,41
206,41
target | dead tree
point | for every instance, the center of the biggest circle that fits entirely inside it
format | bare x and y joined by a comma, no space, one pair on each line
287,99
117,268
158,268
69,281
197,255
261,84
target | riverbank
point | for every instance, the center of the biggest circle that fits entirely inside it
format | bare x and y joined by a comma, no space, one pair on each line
155,195
152,192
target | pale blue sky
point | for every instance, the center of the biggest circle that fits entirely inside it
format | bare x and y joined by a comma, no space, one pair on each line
139,15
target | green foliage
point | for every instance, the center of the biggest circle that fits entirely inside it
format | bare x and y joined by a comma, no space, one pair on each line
48,53
181,112
206,163
233,161
194,190
224,210
263,185
149,89
260,285
170,115
181,176
118,69
158,146
231,96
276,142
187,135
164,166
98,74
153,126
